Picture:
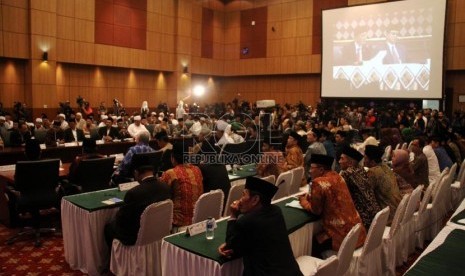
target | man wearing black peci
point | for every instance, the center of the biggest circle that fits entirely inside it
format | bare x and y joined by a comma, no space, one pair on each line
257,232
126,225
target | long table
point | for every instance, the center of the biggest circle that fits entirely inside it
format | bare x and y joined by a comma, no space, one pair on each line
11,155
444,255
183,255
83,218
7,177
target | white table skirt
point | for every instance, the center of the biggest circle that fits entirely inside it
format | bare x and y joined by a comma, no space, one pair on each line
457,211
177,261
83,238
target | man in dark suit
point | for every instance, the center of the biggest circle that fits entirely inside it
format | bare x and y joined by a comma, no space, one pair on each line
108,133
20,136
215,176
395,53
259,235
126,225
54,135
358,51
72,133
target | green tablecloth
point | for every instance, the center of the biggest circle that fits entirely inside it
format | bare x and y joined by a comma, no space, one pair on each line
458,217
92,201
446,259
198,244
243,172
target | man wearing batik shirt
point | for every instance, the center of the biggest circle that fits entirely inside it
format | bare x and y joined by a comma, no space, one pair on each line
330,198
272,159
382,178
294,155
124,171
360,189
186,183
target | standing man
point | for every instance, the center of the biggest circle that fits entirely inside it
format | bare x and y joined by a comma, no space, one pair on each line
257,232
330,199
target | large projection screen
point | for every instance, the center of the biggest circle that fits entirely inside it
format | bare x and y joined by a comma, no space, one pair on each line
388,50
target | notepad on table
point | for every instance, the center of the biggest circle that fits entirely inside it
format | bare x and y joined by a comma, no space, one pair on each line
112,201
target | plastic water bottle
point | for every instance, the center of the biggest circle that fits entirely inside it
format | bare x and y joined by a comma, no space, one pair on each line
210,232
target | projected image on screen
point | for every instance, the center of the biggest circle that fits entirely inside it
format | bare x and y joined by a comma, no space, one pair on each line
389,50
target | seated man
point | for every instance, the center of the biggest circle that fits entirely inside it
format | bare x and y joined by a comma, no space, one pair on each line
330,198
272,160
360,189
108,132
163,141
89,151
186,183
72,133
54,135
126,224
123,172
257,232
294,155
383,180
20,136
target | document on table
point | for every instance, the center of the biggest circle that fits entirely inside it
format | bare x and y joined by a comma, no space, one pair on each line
112,201
295,204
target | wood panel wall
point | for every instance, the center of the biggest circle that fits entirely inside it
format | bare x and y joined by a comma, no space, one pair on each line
66,30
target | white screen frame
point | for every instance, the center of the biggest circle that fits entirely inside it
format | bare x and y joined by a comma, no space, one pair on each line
332,89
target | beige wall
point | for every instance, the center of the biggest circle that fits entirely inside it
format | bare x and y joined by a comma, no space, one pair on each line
65,29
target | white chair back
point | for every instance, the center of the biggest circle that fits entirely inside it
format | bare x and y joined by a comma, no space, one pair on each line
328,267
155,222
400,211
461,171
426,198
375,234
404,146
452,172
235,192
462,180
346,251
398,146
208,205
387,153
437,183
270,178
297,175
410,146
412,204
283,182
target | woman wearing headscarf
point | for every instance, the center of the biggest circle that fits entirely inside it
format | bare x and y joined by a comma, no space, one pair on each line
401,167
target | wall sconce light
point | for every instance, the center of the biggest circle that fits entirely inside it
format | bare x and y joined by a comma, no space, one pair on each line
45,57
185,70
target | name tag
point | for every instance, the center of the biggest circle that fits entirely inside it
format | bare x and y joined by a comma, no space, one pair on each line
128,185
197,228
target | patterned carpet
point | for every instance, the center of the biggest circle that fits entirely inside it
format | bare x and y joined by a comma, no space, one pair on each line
22,258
